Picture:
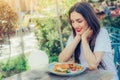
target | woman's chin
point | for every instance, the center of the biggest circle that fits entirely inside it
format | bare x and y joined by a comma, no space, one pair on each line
79,33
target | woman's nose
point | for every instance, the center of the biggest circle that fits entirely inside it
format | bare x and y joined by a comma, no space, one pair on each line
75,25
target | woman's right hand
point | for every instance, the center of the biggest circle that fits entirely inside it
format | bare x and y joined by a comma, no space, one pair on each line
78,36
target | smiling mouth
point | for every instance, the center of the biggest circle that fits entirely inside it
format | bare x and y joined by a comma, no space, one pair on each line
78,29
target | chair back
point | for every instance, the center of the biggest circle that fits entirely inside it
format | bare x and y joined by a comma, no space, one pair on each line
114,34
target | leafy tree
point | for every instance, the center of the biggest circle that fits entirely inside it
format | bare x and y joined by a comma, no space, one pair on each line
67,4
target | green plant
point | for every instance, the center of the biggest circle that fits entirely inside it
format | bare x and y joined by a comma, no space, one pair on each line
117,21
52,32
112,22
48,35
67,4
16,65
54,58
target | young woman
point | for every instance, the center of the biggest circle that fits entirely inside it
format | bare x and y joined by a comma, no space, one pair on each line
88,42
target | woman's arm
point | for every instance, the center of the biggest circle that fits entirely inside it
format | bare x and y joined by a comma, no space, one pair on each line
93,59
66,54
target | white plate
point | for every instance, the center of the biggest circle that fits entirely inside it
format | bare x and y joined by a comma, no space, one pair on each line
51,70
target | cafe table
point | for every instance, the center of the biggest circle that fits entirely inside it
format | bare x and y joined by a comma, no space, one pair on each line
43,74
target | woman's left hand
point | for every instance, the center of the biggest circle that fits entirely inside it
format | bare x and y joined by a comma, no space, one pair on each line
87,34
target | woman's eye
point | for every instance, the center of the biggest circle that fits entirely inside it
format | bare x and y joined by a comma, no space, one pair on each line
79,21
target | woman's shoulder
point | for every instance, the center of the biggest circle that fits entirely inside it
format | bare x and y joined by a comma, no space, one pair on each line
103,34
103,31
101,41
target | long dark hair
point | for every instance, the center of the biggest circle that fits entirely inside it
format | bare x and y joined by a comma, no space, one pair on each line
86,10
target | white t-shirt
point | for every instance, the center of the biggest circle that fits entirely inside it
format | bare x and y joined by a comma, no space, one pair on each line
102,44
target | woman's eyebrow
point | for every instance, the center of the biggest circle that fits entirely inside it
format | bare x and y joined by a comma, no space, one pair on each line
78,19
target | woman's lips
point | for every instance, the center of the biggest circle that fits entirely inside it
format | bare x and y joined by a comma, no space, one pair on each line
78,29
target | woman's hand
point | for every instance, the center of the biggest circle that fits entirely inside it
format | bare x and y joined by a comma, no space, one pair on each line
87,34
78,37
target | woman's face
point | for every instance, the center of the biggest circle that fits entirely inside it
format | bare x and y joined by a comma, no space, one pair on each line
78,22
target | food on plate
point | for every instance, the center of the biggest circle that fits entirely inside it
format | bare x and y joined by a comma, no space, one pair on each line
67,67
